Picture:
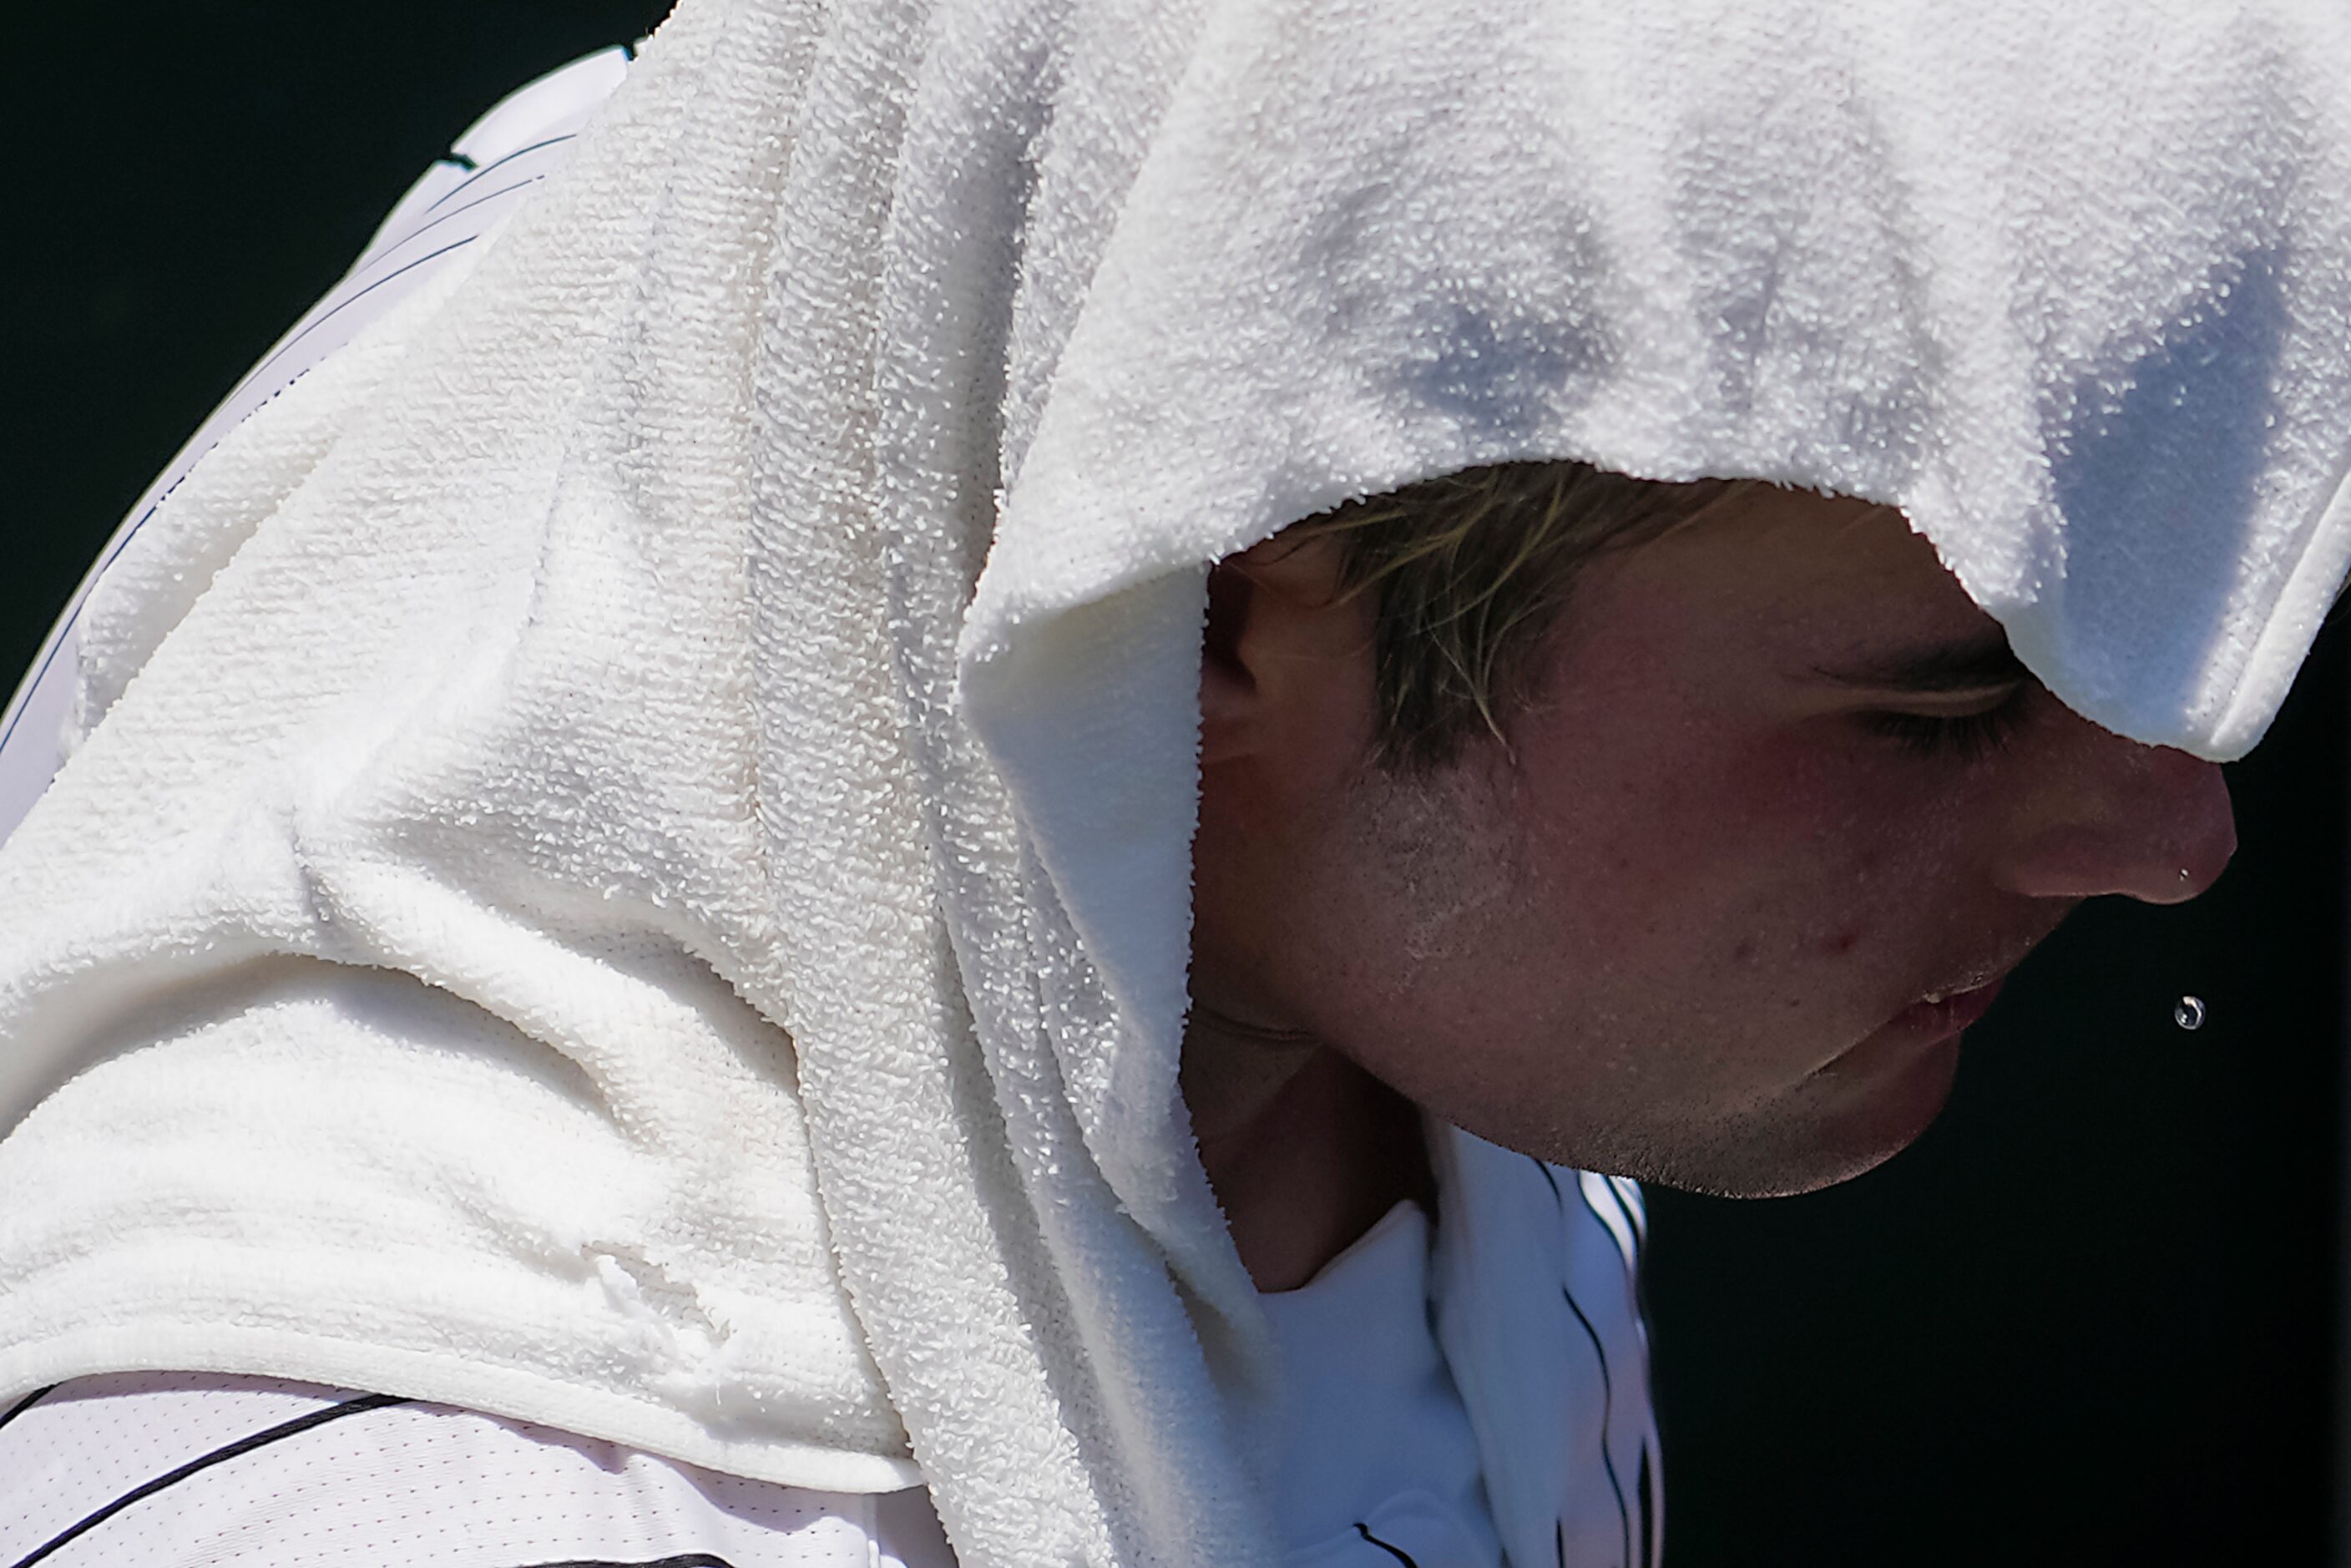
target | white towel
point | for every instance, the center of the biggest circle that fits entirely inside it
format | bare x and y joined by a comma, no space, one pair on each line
600,909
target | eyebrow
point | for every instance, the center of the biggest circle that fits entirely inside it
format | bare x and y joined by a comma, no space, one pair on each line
1968,667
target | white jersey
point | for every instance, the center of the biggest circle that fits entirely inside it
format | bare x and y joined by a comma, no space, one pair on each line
134,1470
161,1470
1377,1460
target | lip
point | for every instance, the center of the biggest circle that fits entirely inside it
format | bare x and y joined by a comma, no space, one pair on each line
1952,1014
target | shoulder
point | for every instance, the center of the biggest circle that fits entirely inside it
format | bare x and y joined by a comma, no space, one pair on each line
429,239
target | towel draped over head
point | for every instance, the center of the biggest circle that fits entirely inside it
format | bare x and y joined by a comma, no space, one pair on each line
627,858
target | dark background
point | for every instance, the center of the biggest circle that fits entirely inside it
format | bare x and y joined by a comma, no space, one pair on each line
2089,1319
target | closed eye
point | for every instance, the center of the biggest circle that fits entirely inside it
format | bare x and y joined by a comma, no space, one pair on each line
1961,733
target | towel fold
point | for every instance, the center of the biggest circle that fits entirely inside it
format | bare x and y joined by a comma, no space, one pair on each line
644,884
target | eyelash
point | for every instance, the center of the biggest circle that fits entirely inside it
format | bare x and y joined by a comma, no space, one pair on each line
1964,737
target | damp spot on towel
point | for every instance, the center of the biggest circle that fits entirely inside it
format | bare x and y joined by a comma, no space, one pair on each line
1492,321
1501,375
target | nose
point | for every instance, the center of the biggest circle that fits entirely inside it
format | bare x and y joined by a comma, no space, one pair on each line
2146,821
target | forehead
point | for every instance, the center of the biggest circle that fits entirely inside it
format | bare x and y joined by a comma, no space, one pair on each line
1808,574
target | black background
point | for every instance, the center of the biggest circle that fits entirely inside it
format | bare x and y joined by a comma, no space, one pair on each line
2088,1319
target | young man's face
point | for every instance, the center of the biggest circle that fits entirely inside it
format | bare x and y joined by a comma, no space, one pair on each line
1781,815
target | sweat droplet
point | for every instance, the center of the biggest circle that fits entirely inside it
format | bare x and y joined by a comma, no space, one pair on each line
2188,1012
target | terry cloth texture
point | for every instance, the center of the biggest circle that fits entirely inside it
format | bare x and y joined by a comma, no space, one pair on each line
422,243
632,870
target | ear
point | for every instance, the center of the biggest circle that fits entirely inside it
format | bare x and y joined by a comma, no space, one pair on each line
1228,688
1278,661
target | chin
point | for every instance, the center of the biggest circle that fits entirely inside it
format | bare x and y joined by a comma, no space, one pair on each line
1834,1127
1776,1170
1782,1178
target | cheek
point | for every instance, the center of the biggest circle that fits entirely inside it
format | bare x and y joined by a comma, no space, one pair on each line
1653,840
1854,860
1748,859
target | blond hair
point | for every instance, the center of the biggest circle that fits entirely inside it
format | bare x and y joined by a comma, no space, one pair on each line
1469,570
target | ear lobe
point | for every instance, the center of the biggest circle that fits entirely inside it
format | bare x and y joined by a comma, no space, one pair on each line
1229,693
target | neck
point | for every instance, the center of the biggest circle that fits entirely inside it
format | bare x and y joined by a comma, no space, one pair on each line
1305,1150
